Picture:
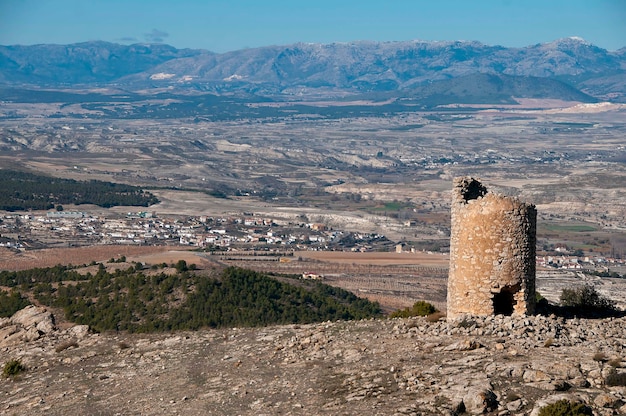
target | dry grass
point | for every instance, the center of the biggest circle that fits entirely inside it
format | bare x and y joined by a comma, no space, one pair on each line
615,362
434,317
72,343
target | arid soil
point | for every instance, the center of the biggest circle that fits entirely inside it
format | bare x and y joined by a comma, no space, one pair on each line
495,365
381,258
13,260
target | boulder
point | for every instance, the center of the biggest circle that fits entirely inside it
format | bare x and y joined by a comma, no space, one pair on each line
31,334
79,331
34,316
480,400
606,400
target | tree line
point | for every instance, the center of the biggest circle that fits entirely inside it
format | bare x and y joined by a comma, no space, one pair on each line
24,190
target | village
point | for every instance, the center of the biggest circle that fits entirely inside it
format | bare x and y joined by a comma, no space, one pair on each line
246,232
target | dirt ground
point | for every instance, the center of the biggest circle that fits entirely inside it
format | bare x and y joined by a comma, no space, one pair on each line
378,258
498,366
23,260
11,260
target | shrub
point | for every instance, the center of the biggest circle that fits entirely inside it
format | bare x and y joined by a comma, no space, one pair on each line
565,408
12,368
181,266
615,379
419,308
586,300
512,396
538,297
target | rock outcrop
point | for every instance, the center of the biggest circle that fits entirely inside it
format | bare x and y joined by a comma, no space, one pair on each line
26,325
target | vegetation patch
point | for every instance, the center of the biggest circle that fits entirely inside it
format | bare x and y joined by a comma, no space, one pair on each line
615,378
419,308
392,206
11,303
586,301
72,343
576,228
12,368
23,190
134,301
565,408
599,356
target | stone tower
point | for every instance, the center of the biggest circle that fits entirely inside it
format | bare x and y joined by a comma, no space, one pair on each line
492,252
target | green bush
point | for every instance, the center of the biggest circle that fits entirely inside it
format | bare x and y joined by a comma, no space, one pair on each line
419,308
565,408
586,299
181,266
11,303
12,368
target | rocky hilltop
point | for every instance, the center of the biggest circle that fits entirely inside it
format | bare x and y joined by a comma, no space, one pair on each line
416,366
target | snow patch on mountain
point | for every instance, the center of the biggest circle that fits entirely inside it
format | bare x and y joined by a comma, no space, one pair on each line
161,76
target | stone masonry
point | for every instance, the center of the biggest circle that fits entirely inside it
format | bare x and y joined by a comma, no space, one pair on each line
492,253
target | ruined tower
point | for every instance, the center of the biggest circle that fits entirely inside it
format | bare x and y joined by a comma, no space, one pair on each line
492,252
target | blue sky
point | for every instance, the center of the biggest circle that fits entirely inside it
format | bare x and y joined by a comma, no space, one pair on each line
222,26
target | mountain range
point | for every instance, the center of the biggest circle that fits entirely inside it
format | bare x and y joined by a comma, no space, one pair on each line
433,72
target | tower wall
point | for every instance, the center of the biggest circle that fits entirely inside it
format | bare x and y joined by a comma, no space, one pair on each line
492,252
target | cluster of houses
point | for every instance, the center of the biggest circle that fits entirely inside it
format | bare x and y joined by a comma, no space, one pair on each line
597,263
246,231
81,228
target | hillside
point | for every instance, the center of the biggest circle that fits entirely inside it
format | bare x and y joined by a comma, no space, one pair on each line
492,89
176,297
495,365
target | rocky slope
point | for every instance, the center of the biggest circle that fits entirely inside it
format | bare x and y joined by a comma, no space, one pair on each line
496,365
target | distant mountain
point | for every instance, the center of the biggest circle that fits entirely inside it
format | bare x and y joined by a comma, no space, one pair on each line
398,69
483,88
82,63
